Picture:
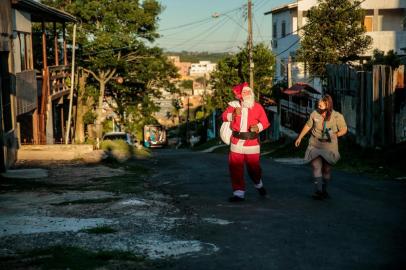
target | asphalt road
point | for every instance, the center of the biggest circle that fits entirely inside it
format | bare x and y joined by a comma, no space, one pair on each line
361,227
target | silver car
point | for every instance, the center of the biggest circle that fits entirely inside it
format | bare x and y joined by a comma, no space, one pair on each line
119,136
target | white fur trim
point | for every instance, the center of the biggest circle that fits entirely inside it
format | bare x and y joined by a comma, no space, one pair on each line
234,104
239,193
259,185
230,117
244,120
240,149
260,127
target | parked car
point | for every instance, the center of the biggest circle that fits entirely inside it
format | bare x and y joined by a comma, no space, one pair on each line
119,136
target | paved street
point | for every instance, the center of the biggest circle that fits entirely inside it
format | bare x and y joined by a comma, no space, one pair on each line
177,217
361,227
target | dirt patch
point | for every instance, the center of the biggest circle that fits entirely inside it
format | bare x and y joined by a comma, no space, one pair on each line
96,208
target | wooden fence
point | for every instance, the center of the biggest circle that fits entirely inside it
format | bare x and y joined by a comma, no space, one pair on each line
372,102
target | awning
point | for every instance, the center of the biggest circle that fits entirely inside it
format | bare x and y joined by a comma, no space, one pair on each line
40,12
300,89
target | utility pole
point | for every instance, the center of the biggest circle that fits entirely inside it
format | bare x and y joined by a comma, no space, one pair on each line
289,71
250,47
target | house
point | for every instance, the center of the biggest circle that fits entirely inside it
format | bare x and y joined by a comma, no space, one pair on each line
202,68
297,103
183,67
384,22
33,105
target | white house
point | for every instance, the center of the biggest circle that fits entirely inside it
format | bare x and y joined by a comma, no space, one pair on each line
202,68
384,22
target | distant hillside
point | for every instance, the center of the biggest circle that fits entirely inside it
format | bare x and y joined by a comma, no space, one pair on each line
195,57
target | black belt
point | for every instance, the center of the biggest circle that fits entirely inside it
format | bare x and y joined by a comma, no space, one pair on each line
245,135
322,139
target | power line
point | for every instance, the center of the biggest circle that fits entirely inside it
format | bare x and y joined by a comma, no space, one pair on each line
199,34
210,32
293,44
185,29
259,30
199,21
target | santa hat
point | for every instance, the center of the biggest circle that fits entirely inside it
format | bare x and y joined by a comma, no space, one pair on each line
238,89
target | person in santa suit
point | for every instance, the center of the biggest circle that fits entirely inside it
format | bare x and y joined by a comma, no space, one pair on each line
246,121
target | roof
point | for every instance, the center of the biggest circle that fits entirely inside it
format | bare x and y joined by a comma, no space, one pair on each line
281,8
40,12
300,89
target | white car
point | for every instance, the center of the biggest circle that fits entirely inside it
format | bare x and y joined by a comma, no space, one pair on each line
119,136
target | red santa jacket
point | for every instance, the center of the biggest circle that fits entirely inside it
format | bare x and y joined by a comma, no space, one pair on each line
248,117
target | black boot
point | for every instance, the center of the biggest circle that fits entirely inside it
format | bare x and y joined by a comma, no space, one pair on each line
318,193
236,199
262,191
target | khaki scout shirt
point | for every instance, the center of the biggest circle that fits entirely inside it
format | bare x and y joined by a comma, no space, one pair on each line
335,123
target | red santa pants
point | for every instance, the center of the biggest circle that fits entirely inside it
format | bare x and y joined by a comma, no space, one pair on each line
236,165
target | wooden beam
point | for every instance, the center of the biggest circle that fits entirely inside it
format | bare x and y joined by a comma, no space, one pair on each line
56,46
65,51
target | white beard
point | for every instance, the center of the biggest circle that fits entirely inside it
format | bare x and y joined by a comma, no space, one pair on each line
248,101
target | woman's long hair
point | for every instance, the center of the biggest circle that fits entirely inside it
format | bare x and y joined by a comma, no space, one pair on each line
328,100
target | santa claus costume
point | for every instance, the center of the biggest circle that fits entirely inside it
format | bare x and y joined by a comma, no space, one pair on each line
246,122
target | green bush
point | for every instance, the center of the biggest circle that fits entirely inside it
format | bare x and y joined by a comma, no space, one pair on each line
117,150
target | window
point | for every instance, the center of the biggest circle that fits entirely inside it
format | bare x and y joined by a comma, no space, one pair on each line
24,40
282,68
283,28
274,30
368,23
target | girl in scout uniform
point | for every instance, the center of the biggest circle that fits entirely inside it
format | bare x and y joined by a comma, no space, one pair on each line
326,125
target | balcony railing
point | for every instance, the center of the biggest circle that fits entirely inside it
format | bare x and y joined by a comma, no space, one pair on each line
58,81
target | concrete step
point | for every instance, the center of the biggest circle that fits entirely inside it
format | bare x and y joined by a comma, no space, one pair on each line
54,152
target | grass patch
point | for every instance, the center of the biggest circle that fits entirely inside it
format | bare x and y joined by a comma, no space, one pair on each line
387,163
65,257
142,152
100,230
119,151
88,201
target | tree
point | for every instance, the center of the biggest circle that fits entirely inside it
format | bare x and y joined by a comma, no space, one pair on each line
111,37
379,57
186,85
333,34
234,69
134,98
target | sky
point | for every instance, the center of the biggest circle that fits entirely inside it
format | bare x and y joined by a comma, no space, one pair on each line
189,24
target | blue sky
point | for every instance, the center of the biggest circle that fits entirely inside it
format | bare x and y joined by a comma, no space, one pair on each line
189,25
